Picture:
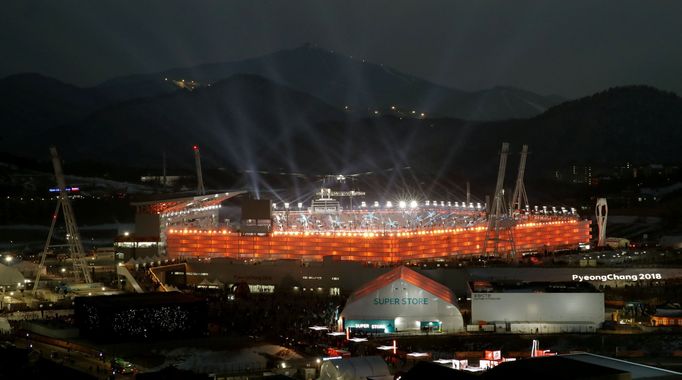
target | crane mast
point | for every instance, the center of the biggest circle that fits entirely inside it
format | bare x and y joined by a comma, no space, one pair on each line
498,221
73,239
519,196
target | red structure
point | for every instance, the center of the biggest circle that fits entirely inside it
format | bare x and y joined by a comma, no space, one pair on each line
388,247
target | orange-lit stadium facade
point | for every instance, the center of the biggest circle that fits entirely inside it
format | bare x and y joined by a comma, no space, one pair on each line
388,247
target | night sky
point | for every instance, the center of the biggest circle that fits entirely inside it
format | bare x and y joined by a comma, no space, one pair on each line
571,48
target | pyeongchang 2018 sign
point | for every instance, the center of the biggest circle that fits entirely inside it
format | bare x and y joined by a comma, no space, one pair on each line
617,277
401,301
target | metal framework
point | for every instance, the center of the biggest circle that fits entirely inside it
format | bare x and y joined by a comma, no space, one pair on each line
519,196
73,239
498,221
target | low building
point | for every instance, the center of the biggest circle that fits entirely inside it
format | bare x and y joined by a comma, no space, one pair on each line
543,307
668,315
402,300
141,316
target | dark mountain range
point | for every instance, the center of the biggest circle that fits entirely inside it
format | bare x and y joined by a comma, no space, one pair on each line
248,122
343,81
233,121
32,103
632,123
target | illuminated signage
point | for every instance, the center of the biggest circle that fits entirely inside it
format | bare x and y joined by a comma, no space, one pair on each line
401,301
617,277
56,189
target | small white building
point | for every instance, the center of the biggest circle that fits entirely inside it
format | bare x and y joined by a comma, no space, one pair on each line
402,300
536,307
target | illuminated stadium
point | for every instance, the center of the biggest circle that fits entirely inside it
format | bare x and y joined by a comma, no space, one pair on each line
387,231
390,232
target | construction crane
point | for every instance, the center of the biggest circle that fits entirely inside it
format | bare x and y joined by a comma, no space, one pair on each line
498,220
73,239
197,163
519,196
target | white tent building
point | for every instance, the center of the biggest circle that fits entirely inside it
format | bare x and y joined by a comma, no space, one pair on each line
10,277
357,368
402,300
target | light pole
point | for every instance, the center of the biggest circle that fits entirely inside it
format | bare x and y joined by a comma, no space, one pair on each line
286,213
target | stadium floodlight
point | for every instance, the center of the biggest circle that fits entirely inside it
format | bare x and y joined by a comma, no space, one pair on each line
413,204
456,204
449,204
376,203
286,205
478,205
363,204
418,354
427,203
402,204
274,205
300,205
471,204
389,204
442,203
385,348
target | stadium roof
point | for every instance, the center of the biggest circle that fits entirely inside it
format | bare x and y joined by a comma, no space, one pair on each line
179,201
408,275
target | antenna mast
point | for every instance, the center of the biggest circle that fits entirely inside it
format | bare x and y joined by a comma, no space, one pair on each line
200,179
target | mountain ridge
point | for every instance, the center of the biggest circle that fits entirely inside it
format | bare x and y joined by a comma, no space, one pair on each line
343,81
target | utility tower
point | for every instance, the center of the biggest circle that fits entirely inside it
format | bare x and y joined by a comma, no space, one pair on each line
73,239
200,178
519,197
602,212
499,223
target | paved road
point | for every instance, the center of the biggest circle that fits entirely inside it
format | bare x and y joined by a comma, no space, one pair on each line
100,369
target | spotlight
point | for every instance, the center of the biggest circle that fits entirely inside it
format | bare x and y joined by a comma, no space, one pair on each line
413,204
402,204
